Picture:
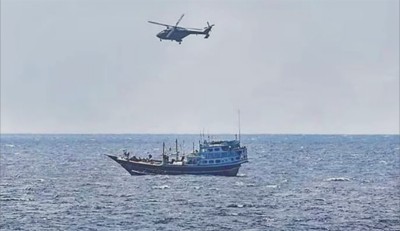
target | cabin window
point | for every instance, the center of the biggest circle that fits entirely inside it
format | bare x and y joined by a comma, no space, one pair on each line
231,159
225,148
210,149
237,158
217,161
204,162
216,149
211,161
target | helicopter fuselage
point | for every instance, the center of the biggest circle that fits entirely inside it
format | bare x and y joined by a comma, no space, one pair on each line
177,34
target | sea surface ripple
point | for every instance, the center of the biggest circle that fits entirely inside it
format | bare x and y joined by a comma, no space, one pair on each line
292,182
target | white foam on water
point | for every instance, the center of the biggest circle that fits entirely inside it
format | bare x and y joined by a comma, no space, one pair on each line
239,183
161,187
271,186
235,206
337,179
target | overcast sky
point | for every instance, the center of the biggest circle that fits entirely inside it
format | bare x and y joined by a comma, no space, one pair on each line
89,66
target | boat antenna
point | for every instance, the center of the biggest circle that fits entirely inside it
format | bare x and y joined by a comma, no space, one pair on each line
163,148
239,122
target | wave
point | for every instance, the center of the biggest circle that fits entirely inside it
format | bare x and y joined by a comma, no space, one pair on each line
16,199
337,179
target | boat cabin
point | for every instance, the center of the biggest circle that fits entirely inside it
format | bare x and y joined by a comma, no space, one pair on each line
218,153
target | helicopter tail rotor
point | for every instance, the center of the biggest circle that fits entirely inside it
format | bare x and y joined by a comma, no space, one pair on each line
207,30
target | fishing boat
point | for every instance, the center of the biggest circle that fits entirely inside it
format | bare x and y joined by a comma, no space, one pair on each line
223,158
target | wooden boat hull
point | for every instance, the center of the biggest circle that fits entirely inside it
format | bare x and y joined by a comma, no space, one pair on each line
142,168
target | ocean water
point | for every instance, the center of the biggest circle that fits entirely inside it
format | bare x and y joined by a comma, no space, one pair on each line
292,182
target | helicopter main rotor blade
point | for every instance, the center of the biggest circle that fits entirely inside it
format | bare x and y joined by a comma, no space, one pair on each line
188,28
179,20
161,24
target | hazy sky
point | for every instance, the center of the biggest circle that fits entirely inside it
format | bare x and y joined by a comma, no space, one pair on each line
89,66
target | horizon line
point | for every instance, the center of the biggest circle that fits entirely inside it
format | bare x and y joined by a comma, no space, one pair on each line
145,133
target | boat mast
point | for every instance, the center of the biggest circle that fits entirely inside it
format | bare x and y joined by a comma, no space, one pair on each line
164,161
176,147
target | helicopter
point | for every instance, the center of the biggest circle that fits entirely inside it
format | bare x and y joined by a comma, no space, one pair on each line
176,33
